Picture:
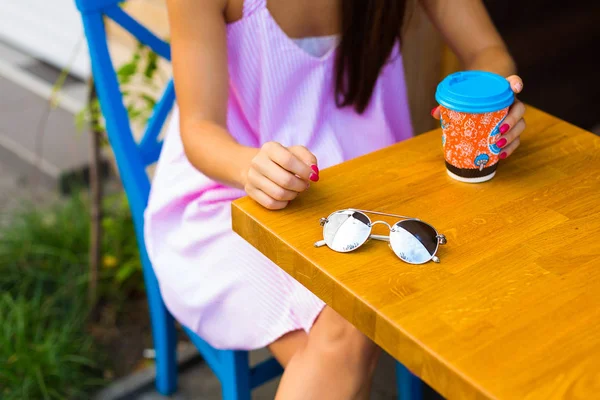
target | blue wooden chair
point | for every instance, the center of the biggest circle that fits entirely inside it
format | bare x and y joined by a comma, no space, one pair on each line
231,367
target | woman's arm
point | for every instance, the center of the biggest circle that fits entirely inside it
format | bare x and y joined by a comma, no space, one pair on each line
273,175
200,73
468,29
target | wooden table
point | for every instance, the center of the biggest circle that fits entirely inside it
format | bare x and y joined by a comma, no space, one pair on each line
513,309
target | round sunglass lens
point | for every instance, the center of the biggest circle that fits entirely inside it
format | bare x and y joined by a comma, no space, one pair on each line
346,230
414,241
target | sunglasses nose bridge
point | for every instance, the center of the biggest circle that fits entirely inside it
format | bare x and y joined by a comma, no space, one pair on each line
381,223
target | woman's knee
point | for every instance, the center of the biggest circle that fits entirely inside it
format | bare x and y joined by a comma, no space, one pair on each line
284,348
334,337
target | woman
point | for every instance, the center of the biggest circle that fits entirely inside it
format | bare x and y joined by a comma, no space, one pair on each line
268,94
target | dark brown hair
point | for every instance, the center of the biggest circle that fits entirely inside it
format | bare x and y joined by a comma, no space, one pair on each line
370,29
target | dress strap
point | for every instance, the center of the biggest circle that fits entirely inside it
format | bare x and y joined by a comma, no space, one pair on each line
251,6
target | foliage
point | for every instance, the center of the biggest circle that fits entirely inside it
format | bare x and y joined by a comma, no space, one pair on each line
43,308
121,273
140,80
47,352
46,349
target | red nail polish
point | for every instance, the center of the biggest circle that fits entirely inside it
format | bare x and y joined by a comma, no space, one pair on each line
433,110
315,169
504,128
501,142
503,155
314,177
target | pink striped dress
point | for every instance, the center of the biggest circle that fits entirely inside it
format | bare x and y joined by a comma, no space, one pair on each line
280,90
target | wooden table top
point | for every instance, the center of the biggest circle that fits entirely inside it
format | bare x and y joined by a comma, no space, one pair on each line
513,309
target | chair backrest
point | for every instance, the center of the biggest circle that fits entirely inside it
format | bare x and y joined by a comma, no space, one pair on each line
132,157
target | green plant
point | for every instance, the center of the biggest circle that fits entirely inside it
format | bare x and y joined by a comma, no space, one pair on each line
45,244
42,307
53,244
47,268
43,284
47,353
140,80
121,273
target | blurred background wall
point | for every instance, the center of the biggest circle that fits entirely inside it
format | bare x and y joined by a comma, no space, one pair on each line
556,44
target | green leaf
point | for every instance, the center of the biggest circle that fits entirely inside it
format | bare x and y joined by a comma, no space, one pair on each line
151,65
77,359
134,113
108,223
150,101
81,119
125,272
41,383
127,71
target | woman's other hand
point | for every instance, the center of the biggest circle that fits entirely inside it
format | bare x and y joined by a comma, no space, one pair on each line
512,126
278,174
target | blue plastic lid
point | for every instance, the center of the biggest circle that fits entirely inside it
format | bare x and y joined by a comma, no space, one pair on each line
474,92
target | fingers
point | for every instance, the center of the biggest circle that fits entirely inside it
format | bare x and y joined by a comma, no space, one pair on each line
515,114
270,188
278,174
275,173
287,160
305,155
516,83
265,200
513,134
435,113
509,149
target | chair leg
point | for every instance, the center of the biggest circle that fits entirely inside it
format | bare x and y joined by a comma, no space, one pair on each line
410,387
164,335
163,331
164,338
235,376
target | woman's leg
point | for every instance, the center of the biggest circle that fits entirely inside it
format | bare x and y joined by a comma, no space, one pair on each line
335,361
284,348
365,391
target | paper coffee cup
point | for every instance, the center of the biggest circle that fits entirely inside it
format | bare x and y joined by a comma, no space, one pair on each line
473,105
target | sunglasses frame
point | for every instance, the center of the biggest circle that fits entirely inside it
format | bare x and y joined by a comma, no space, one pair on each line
441,239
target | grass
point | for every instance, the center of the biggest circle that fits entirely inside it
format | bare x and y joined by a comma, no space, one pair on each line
44,340
48,355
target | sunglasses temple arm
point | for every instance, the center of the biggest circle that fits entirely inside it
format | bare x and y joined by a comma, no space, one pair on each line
384,214
383,238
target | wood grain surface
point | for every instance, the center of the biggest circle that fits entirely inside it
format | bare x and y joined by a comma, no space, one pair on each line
513,309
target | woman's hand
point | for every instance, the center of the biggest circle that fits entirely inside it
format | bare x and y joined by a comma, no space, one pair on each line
278,174
513,125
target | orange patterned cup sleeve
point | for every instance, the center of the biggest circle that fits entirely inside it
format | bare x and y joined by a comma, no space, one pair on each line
469,140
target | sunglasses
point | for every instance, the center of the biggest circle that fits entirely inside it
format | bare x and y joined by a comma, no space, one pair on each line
411,239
